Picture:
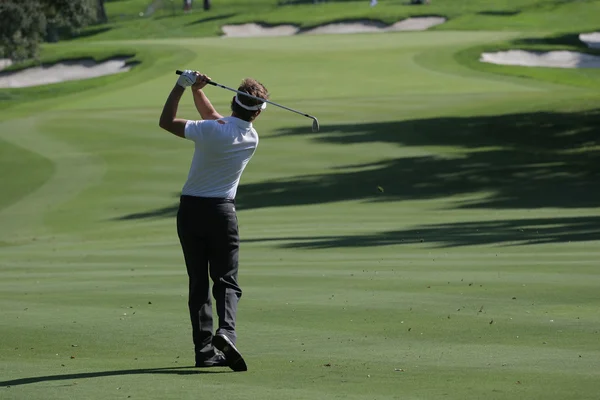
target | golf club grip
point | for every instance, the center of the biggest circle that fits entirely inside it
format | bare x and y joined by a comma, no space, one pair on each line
179,72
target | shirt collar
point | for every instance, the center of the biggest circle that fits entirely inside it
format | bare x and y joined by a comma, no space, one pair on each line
241,123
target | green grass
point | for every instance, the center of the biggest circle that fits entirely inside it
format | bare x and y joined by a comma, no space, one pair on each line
518,15
119,9
474,274
584,77
28,170
45,96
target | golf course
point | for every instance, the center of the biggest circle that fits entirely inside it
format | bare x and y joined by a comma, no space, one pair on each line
438,238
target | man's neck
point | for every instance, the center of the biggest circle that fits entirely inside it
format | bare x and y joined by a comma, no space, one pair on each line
236,116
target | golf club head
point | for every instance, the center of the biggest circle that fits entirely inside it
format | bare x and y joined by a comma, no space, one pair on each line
315,127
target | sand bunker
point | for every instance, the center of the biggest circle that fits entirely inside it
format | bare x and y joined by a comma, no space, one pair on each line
62,71
5,62
410,24
555,59
592,40
252,30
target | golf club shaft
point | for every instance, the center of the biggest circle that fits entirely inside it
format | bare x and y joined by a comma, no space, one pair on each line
178,72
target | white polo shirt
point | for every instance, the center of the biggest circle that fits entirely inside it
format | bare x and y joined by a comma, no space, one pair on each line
223,149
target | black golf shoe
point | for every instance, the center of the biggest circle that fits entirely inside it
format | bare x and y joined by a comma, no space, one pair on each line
218,360
234,358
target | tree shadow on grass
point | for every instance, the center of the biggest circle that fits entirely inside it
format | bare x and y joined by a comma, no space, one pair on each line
100,374
528,160
211,18
85,33
499,233
565,39
500,13
163,212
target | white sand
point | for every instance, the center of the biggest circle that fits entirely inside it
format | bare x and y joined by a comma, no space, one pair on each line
417,24
555,59
62,71
347,27
410,24
592,40
247,30
5,62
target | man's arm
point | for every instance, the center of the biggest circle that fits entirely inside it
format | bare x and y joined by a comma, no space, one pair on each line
168,120
203,105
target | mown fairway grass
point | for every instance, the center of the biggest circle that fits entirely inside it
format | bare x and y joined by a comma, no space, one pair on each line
473,274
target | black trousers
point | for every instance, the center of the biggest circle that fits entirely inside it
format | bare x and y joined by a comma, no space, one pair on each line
208,233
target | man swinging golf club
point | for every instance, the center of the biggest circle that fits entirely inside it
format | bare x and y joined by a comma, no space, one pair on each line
206,220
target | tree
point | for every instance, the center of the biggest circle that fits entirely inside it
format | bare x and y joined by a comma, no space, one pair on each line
25,24
70,15
21,29
101,16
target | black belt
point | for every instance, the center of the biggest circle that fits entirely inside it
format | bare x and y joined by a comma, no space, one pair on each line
206,200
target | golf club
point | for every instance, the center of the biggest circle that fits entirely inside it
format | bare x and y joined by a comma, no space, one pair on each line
315,125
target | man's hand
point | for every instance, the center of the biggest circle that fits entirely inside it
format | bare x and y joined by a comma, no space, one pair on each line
201,81
187,78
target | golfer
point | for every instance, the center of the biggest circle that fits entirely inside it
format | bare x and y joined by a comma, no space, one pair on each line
206,220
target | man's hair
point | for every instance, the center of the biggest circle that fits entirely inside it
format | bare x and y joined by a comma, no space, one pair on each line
254,88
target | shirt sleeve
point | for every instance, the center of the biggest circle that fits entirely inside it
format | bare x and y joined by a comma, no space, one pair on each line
199,131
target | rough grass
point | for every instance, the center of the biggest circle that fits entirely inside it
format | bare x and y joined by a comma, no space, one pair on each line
142,61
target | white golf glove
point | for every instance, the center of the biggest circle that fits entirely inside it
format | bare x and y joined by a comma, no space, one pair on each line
187,78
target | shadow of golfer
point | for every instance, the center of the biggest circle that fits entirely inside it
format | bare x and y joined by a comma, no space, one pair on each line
100,374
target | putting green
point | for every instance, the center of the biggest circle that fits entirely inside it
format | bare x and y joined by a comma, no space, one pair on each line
473,274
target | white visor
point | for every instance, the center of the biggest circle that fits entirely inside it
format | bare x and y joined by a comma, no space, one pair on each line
257,107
